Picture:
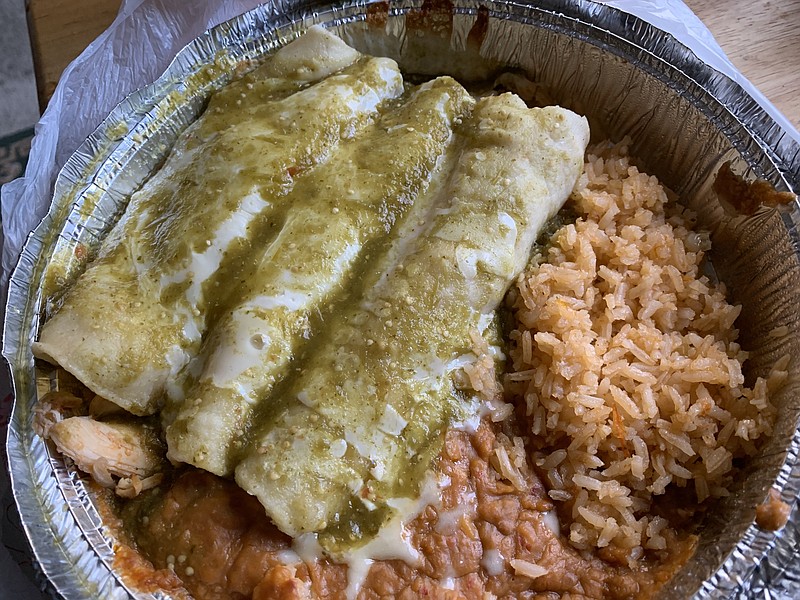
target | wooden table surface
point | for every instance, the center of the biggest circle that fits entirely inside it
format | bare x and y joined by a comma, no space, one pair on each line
759,36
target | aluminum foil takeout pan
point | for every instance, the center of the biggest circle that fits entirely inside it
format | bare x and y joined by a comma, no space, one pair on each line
630,78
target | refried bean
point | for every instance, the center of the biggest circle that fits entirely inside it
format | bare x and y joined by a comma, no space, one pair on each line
477,540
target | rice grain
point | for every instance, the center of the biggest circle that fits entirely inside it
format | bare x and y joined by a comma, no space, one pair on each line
627,360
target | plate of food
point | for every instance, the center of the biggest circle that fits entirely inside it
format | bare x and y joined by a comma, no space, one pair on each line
439,299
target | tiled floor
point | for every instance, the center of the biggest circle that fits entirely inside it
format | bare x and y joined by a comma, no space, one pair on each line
14,151
18,104
19,108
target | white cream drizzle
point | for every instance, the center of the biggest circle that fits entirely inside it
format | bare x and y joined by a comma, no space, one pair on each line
472,421
291,299
447,521
177,359
288,557
204,264
507,221
484,321
436,368
305,399
493,562
391,543
238,352
392,422
476,410
251,335
495,262
373,445
338,448
307,548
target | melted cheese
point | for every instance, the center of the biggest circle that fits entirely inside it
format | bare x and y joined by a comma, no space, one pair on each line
338,209
392,543
185,232
410,329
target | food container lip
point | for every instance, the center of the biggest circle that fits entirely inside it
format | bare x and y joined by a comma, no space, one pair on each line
671,61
